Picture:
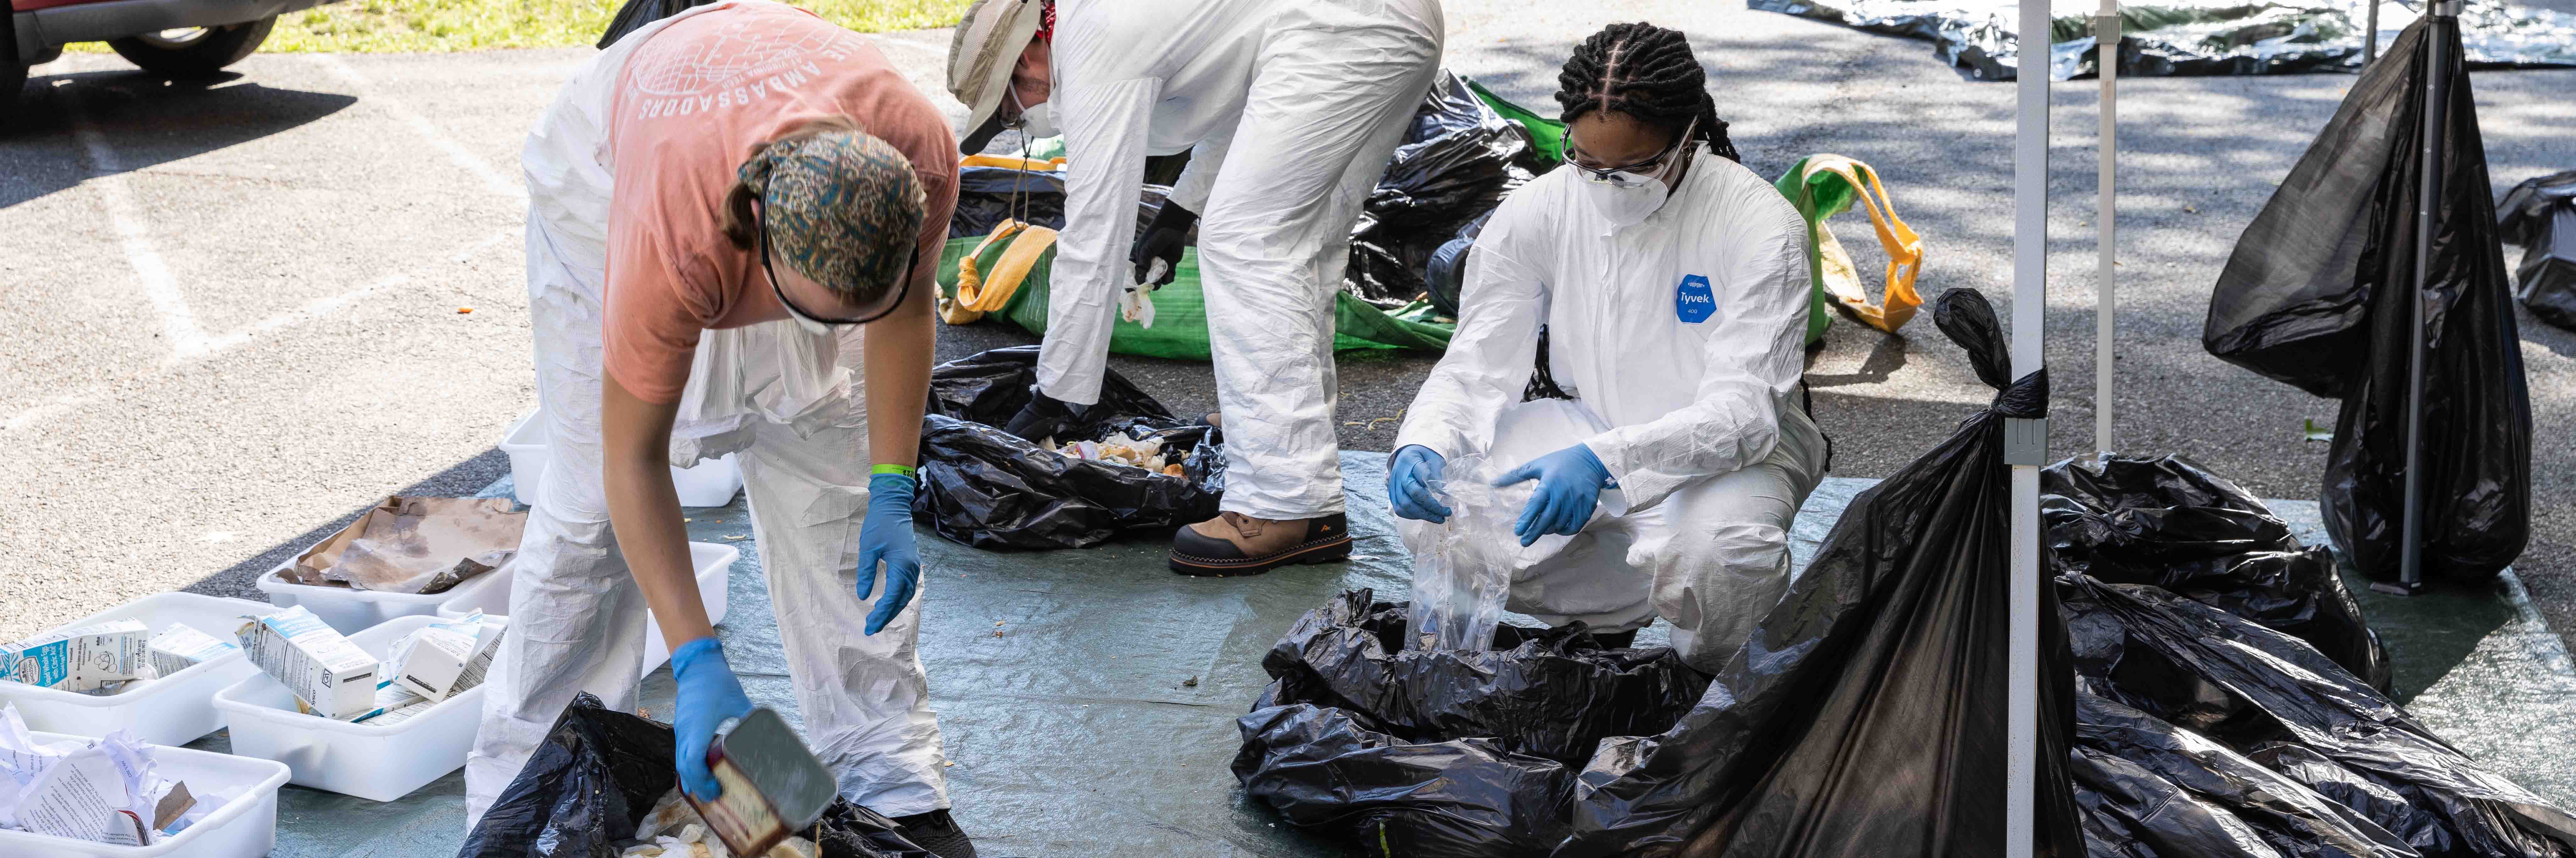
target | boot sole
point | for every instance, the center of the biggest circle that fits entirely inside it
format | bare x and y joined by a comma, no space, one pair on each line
1332,550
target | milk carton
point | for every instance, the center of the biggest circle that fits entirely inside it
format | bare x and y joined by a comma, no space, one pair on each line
182,646
448,658
84,659
330,676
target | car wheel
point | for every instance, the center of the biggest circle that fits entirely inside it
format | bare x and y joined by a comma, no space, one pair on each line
194,52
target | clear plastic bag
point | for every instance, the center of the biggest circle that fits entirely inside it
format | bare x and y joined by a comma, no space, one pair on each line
1458,589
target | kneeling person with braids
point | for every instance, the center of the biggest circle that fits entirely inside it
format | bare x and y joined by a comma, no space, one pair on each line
1670,285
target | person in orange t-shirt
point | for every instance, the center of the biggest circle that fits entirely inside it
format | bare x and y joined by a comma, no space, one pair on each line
734,218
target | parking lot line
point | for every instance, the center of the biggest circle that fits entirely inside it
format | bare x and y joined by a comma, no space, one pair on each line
178,323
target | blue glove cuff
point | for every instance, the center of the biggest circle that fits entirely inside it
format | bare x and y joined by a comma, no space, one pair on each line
890,489
1597,467
694,652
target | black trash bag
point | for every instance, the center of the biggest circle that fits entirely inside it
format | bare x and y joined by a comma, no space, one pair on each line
2209,671
983,487
1443,752
1865,716
634,14
2540,216
599,772
2143,781
2319,294
1457,161
2168,521
986,196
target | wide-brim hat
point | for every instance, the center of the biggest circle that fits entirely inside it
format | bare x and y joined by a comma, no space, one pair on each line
980,57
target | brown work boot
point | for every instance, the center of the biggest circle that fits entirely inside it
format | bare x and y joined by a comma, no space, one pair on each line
1236,544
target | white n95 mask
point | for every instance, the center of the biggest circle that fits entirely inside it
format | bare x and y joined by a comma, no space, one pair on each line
1626,205
1035,122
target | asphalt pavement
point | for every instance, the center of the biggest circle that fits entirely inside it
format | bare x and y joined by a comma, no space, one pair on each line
236,316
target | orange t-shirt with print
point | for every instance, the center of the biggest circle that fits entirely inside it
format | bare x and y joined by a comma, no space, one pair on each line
692,103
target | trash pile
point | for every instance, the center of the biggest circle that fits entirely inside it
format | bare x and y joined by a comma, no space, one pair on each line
102,790
413,545
108,658
2319,294
2540,215
601,785
1136,467
333,678
2192,37
1459,158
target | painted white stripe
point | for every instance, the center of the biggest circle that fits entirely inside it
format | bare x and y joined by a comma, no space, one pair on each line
178,323
493,179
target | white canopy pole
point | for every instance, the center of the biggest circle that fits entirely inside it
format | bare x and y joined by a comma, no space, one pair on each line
2024,438
2106,39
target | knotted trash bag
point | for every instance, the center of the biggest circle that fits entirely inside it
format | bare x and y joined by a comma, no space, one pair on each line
1458,159
1446,752
2319,294
598,772
983,487
2277,700
2168,521
2540,215
1865,714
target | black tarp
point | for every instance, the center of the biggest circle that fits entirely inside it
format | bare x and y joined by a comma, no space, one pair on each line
2318,294
1443,753
983,487
2189,37
2168,521
2278,701
2540,215
1459,158
597,773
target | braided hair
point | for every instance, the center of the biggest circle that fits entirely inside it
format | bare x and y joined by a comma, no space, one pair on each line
1648,73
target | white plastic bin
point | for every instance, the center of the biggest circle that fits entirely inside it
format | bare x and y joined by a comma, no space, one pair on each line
245,827
707,484
490,594
350,611
364,760
172,710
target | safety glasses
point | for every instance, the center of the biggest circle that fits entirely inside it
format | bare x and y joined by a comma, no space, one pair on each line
1632,175
901,289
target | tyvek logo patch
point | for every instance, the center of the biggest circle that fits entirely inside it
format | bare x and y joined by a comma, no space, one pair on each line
1692,301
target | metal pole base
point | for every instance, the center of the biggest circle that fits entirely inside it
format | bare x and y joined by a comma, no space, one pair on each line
2397,588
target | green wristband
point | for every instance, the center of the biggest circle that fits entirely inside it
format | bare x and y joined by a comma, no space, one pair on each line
899,470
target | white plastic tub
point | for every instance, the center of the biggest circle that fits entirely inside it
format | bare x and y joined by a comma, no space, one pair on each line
490,594
364,760
707,484
245,827
172,710
351,611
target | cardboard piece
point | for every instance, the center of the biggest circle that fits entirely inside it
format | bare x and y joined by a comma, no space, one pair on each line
413,545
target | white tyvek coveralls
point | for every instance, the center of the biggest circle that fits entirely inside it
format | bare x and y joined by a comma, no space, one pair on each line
769,390
1702,424
1290,109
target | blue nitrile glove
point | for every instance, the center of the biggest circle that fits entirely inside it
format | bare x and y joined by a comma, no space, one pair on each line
1408,484
887,536
1569,485
708,695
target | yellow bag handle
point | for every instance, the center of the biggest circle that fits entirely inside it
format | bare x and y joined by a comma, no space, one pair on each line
1904,249
979,293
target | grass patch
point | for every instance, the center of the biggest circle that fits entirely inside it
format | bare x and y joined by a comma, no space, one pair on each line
431,26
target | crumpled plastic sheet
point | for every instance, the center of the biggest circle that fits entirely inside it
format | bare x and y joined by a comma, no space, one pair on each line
2192,37
2168,521
2278,701
1447,753
2145,783
2540,215
1459,584
983,487
588,787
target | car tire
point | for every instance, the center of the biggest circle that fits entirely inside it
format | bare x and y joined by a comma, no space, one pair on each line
201,53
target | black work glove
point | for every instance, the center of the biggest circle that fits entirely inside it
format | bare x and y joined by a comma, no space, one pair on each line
1163,240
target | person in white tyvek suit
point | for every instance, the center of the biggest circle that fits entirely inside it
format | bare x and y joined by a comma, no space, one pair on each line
1671,284
734,217
1289,110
